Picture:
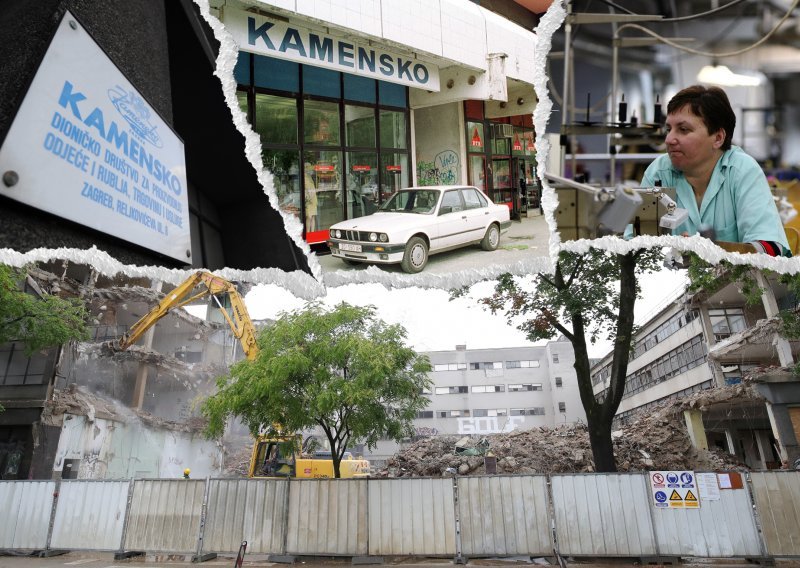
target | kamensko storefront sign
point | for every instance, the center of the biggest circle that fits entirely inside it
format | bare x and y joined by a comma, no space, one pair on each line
265,36
86,146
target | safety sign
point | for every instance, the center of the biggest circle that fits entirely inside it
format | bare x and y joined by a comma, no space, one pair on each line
674,489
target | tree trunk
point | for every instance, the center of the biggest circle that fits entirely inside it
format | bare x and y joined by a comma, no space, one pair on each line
602,446
337,462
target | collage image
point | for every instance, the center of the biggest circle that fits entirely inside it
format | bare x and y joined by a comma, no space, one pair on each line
532,260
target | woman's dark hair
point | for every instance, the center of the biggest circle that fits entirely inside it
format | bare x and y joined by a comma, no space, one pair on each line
709,103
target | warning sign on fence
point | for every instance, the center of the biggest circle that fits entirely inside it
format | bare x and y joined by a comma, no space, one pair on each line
674,489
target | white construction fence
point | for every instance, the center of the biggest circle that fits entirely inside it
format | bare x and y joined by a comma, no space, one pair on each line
583,515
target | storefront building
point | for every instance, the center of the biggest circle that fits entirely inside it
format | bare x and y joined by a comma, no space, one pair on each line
347,114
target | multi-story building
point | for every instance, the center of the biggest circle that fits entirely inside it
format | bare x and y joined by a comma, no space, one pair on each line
711,341
489,391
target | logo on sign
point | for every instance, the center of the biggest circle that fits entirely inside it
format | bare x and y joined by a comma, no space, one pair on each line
135,112
672,478
658,479
661,496
686,479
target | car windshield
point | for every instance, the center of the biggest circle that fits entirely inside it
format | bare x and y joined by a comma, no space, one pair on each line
413,201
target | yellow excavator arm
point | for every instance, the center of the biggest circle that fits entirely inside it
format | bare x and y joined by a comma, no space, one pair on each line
208,285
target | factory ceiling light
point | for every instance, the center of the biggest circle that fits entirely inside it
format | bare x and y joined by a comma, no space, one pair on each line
722,75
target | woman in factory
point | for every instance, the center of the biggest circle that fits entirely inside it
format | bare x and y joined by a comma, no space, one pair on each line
724,189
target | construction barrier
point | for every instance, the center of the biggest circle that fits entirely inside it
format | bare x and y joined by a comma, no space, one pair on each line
90,515
25,509
327,517
254,510
603,515
590,515
777,498
504,515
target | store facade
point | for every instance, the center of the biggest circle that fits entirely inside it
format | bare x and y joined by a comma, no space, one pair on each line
347,115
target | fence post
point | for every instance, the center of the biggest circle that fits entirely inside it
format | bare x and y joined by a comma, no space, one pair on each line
200,557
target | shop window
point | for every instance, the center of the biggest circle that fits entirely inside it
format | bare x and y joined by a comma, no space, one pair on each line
359,126
394,173
475,137
284,165
276,74
241,98
393,129
477,172
324,207
320,81
276,119
362,183
391,94
321,123
361,89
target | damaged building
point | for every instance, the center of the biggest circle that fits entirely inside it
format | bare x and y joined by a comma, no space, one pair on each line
90,410
702,347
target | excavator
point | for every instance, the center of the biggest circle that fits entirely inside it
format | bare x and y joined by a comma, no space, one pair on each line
272,456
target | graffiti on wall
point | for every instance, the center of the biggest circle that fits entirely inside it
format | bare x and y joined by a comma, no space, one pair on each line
489,424
443,170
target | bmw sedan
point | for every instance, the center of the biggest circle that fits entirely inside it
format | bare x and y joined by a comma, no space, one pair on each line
417,222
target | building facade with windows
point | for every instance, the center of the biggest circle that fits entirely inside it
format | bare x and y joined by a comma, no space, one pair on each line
491,391
352,104
707,341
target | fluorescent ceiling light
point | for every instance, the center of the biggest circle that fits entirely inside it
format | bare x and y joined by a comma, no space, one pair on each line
723,76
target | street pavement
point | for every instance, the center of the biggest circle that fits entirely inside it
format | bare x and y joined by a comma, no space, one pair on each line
525,246
106,560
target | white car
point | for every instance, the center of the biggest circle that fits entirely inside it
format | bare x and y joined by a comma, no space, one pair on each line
417,222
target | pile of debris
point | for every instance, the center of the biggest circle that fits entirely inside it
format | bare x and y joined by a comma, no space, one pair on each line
656,440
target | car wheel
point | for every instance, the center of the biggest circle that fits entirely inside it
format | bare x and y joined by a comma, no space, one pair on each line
491,239
416,256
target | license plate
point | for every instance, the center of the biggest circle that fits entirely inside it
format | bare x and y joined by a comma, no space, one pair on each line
349,247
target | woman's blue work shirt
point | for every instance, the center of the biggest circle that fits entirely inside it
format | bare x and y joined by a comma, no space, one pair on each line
738,203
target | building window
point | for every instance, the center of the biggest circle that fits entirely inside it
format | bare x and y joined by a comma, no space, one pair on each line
525,387
450,367
663,331
559,382
562,406
489,412
555,357
488,388
535,411
733,374
425,414
486,365
451,413
522,364
18,369
451,390
726,322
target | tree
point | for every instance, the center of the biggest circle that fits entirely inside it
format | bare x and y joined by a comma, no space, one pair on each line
588,296
38,322
342,370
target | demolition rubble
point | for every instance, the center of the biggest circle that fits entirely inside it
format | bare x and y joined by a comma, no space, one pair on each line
656,440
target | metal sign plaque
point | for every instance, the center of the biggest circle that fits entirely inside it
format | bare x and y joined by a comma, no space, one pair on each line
87,147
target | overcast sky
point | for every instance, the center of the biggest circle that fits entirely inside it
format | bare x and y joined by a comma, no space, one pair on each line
434,323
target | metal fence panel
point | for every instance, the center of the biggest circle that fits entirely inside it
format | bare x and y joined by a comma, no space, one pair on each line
90,515
504,516
327,516
25,508
412,516
164,515
603,515
246,509
777,496
716,529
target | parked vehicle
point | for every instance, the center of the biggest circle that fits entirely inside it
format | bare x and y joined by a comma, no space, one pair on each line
417,222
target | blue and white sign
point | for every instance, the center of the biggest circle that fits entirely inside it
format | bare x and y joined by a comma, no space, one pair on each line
87,147
254,33
674,490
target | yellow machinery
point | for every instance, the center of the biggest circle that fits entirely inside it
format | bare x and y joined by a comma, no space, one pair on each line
272,457
209,285
278,457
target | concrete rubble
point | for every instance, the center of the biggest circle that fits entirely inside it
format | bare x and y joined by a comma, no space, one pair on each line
655,440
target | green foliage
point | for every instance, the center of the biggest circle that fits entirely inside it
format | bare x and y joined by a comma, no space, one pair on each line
585,284
708,278
343,370
37,322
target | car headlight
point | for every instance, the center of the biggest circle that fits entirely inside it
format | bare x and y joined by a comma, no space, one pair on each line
384,238
373,237
337,234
